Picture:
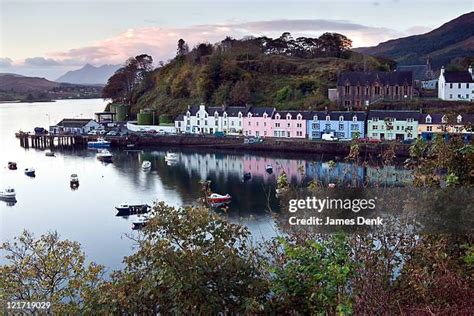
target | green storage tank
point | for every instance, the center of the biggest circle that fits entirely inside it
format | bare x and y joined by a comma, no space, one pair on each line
121,112
112,107
145,118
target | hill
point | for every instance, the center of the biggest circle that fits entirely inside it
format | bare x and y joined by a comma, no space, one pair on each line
18,87
288,74
453,39
89,74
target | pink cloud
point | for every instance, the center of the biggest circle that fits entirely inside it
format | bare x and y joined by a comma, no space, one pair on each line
160,42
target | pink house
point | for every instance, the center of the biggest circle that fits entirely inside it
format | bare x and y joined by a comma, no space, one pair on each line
289,124
295,169
258,122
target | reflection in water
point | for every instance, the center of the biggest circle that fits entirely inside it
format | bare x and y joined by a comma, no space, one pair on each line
86,213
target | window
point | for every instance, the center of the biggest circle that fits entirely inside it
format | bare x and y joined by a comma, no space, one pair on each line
341,126
375,127
299,125
328,127
377,90
387,92
444,119
347,102
188,122
264,133
188,114
264,123
358,90
277,117
347,89
366,90
240,115
459,86
450,96
354,118
405,90
199,122
225,123
277,124
328,118
467,96
315,118
354,127
429,128
428,120
240,123
396,90
205,122
289,124
459,96
299,117
250,123
197,115
315,126
459,119
216,122
288,116
467,85
341,118
410,120
256,123
232,123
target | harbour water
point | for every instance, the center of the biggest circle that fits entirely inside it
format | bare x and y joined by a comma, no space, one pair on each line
87,215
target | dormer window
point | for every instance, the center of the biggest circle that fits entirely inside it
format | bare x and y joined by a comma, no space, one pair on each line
315,118
249,115
354,118
288,116
299,116
459,119
188,114
240,115
328,118
277,116
216,114
225,114
428,119
341,118
444,119
265,115
197,115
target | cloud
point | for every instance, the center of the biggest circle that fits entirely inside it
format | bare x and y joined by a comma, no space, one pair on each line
418,29
5,62
41,62
160,42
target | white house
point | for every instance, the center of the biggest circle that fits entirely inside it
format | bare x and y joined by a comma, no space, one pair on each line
74,126
209,120
456,85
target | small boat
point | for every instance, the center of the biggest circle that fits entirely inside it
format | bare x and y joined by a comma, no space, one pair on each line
99,143
104,155
139,223
74,179
8,194
30,172
269,169
12,165
49,154
126,209
146,165
171,157
215,198
247,176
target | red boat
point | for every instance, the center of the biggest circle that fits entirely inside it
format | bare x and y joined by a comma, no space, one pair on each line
215,198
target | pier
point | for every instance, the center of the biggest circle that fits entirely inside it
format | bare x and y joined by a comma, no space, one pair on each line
44,141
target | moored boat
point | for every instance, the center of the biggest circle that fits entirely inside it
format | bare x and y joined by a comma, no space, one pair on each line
171,156
12,165
146,165
269,169
104,155
49,154
30,172
247,176
8,193
126,209
99,143
139,223
216,198
73,179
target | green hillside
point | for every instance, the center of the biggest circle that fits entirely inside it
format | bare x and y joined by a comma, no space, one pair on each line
285,73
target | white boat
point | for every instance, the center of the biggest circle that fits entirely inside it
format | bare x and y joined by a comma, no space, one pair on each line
104,155
49,154
132,209
99,143
74,178
269,168
146,165
215,198
8,193
171,157
30,172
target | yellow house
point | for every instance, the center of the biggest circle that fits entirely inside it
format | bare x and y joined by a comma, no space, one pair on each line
430,124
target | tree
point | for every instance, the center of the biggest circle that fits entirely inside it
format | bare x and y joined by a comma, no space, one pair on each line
183,48
190,260
49,269
240,94
335,44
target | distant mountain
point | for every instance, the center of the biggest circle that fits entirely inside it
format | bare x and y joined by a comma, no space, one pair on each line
89,74
15,87
451,40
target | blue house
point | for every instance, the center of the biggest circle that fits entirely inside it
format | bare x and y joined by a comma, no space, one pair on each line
343,124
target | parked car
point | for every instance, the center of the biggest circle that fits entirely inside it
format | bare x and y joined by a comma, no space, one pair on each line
161,132
219,134
151,131
92,132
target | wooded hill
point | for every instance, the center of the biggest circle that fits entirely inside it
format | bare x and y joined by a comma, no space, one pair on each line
284,72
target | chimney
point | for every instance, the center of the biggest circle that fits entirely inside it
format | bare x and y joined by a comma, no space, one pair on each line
442,71
470,71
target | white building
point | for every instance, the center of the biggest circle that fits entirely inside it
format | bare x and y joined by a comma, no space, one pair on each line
209,120
74,126
456,85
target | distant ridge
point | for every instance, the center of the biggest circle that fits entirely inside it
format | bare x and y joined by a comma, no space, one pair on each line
89,74
451,40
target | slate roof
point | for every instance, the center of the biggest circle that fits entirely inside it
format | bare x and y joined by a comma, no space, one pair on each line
398,115
458,76
180,117
231,110
234,110
335,115
74,122
393,78
437,119
259,111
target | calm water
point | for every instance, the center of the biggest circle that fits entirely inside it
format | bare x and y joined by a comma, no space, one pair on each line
87,215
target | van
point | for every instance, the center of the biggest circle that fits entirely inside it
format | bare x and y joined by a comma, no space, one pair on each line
329,137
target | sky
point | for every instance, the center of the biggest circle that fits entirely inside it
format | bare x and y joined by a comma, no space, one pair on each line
47,38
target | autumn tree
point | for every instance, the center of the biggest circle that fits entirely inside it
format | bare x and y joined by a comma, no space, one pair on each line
183,48
49,269
240,94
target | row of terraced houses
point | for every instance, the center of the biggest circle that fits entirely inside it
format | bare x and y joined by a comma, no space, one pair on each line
270,122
